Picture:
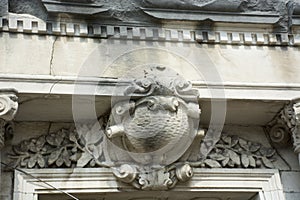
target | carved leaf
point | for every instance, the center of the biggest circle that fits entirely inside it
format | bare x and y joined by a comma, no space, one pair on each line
234,157
40,142
212,163
32,147
54,156
231,163
243,143
51,140
59,139
41,161
245,160
98,151
216,156
31,162
89,135
267,163
234,140
254,147
59,162
75,157
55,139
18,150
24,146
84,159
66,158
227,139
252,162
268,152
23,162
72,136
225,161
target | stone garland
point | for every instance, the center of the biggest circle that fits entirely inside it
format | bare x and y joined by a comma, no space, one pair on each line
66,148
232,151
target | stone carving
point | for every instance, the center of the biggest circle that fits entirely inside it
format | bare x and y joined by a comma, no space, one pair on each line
66,148
233,151
283,127
150,139
8,109
151,132
286,126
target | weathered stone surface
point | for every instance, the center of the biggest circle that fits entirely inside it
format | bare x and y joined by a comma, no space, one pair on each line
291,181
213,5
69,54
8,110
139,11
292,195
32,7
3,7
66,56
25,130
25,54
74,7
6,184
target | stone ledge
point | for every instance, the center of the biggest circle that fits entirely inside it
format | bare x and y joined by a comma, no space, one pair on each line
21,24
265,182
47,84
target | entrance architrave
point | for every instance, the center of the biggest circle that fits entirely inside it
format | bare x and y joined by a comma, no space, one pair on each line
100,180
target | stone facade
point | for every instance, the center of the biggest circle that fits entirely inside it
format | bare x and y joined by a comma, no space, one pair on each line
151,99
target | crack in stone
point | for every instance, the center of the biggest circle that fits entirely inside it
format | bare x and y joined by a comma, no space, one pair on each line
51,58
56,82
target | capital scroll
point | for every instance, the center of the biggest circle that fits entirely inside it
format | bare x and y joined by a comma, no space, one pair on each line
8,110
286,126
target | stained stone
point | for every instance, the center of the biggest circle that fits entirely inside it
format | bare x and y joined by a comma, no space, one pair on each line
3,7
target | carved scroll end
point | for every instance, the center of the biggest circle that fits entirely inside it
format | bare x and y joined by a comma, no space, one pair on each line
125,173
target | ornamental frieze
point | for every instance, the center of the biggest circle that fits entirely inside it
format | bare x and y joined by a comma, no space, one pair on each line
151,138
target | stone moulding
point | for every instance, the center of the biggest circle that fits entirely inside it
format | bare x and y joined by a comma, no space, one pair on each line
54,6
264,182
20,24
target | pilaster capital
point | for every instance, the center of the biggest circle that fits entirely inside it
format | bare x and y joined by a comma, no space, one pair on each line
286,125
8,110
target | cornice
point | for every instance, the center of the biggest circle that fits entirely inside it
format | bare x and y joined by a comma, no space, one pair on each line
26,84
31,25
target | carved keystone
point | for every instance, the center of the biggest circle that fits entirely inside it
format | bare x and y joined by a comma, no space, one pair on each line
8,110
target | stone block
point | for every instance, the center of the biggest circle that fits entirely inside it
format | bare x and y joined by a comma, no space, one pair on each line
25,54
292,196
291,181
6,185
236,38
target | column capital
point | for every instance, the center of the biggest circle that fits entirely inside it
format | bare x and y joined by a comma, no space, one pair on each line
286,126
8,110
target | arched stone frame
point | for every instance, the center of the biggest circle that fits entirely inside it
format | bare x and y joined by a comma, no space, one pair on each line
266,183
